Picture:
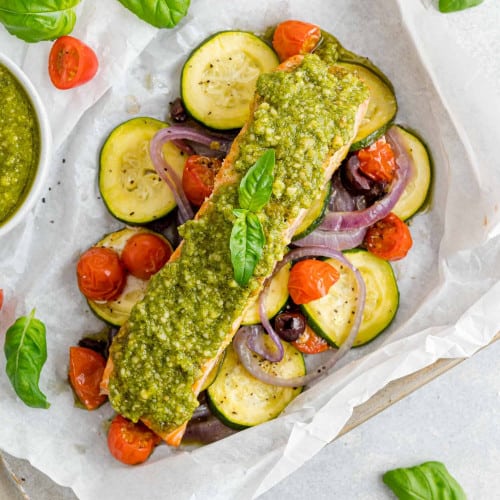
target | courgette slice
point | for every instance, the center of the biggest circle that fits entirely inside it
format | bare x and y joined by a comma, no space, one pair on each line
315,214
129,185
276,298
382,107
240,400
332,315
219,77
116,312
417,191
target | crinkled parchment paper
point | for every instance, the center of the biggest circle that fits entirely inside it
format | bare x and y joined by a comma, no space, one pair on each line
449,284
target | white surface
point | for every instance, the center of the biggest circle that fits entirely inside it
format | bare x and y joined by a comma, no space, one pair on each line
472,260
454,419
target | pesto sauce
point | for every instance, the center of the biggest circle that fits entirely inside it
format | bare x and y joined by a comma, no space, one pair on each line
192,303
19,144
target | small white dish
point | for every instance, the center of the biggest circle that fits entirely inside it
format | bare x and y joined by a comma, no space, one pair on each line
45,147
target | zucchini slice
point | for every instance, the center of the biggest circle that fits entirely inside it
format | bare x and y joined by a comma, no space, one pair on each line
331,316
129,185
240,400
276,299
116,312
382,107
315,214
416,193
218,79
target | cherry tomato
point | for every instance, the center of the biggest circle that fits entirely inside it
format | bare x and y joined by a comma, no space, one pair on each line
145,254
100,273
389,238
130,443
295,37
1,298
377,161
85,373
310,343
71,63
311,279
198,177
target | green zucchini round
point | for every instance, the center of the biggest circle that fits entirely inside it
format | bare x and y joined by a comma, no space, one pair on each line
382,107
417,191
240,400
116,312
331,316
219,77
130,187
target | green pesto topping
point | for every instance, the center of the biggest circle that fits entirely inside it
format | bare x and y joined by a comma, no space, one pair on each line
304,115
19,144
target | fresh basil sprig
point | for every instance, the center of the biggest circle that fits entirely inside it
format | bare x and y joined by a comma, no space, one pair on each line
454,5
247,236
428,480
25,349
159,13
37,20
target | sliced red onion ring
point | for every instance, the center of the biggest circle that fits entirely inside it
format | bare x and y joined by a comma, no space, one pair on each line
342,220
240,342
206,430
338,240
177,134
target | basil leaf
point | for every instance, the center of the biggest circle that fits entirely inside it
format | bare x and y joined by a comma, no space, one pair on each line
37,20
159,13
430,480
25,349
246,244
256,186
454,5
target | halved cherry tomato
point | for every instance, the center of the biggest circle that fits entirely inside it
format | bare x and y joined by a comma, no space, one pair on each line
71,63
1,298
198,177
295,37
389,238
377,161
100,273
310,343
145,254
85,373
311,279
130,443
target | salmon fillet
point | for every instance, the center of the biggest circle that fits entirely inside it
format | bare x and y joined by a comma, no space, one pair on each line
150,374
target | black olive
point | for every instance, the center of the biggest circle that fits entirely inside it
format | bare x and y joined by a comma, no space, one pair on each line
177,111
290,325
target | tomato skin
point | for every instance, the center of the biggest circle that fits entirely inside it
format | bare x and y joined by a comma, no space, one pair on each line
198,177
389,238
377,161
1,298
145,254
295,37
71,63
130,443
310,343
86,368
311,279
100,274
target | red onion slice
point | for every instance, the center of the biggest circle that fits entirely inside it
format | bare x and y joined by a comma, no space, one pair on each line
343,220
338,240
240,342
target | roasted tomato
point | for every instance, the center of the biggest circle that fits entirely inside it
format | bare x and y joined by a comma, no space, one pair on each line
101,274
377,161
130,443
1,298
145,254
85,373
71,63
389,238
310,343
295,37
198,177
311,279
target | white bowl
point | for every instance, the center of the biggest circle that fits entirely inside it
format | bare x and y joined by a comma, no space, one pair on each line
45,147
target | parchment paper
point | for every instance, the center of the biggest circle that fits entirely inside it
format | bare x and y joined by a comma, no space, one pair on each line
449,284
